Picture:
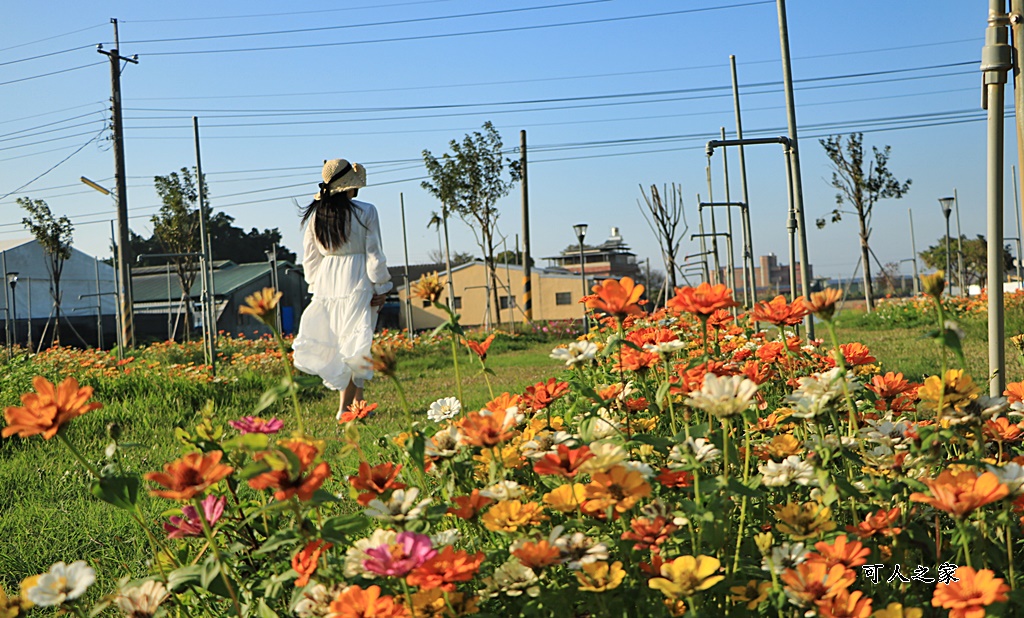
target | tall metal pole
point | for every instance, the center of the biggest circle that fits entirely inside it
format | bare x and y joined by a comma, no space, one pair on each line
14,310
99,307
277,286
209,317
408,284
791,224
703,243
527,276
748,238
117,293
28,297
714,232
913,247
121,184
583,278
947,248
167,273
1016,209
995,61
959,247
798,187
731,264
7,304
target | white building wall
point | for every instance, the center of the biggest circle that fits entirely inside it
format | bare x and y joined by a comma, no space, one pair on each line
29,260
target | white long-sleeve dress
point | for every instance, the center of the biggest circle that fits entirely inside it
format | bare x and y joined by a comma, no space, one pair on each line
336,330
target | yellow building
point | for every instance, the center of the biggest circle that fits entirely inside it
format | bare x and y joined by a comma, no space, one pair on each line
556,296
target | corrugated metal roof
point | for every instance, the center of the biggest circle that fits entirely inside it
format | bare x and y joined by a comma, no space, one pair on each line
7,245
150,288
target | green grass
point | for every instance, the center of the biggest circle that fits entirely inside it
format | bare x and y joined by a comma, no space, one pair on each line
47,513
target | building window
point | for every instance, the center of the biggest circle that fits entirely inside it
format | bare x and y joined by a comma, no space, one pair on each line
457,302
426,303
563,298
507,301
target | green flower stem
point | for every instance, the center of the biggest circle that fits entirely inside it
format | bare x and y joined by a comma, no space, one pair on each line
405,402
671,405
743,500
291,378
841,362
964,542
155,544
1009,549
940,315
487,379
455,363
225,572
88,466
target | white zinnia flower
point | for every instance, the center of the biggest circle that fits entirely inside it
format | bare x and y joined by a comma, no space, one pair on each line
701,449
723,397
646,470
576,353
445,443
818,391
785,556
63,582
444,409
790,470
400,507
142,601
445,537
512,578
1011,475
665,348
504,490
578,549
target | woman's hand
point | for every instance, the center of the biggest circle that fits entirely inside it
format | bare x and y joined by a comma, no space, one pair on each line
377,300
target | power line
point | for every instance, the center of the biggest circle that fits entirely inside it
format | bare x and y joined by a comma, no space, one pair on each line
52,139
25,79
366,25
288,14
460,34
57,111
55,165
47,55
50,38
14,135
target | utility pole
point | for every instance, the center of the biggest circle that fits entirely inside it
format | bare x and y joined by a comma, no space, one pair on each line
748,246
209,314
728,246
124,250
913,247
798,187
527,280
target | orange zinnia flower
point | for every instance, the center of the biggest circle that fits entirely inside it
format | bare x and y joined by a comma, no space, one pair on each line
1002,430
702,300
479,347
48,409
856,354
959,494
674,478
776,311
428,288
565,462
356,411
189,476
537,555
541,394
444,569
823,304
969,597
811,582
1014,392
261,304
881,523
302,482
840,551
469,506
485,430
354,602
618,488
649,534
846,604
305,562
503,402
618,298
376,481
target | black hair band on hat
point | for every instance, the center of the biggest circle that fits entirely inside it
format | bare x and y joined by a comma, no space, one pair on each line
324,191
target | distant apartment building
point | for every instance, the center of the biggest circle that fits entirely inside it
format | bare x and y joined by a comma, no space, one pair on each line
770,277
611,259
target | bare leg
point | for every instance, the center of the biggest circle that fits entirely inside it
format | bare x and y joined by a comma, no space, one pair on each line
350,394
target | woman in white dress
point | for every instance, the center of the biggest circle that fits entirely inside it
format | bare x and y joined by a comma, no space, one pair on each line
348,277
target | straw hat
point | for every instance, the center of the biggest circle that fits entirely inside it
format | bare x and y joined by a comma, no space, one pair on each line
340,175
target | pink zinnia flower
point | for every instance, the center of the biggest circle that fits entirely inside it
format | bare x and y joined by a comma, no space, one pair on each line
252,424
409,551
190,524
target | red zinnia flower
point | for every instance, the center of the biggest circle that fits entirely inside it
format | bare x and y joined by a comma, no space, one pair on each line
565,462
376,481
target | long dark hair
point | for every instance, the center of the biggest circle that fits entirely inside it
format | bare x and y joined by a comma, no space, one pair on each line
332,218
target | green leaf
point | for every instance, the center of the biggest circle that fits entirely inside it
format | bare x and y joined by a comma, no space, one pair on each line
184,576
254,469
249,442
273,394
338,529
265,612
417,450
662,392
120,491
661,443
737,487
209,571
277,540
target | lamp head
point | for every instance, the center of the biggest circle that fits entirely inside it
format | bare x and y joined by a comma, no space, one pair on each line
12,278
947,205
581,231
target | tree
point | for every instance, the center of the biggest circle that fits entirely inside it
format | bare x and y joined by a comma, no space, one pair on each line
975,257
888,277
664,218
458,258
861,189
469,182
512,257
176,228
227,242
54,235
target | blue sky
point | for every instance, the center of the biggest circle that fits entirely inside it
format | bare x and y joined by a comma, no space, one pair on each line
381,93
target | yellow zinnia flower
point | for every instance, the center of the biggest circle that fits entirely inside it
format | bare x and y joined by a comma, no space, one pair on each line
686,575
957,390
896,610
802,521
511,515
598,576
784,445
618,488
261,304
566,498
752,594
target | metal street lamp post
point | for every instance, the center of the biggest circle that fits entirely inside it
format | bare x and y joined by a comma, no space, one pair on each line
272,258
947,208
12,280
581,233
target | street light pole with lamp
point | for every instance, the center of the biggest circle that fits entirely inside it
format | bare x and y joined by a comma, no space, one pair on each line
12,280
581,233
947,208
272,258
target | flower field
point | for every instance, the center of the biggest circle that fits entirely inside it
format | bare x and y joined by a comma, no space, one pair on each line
676,463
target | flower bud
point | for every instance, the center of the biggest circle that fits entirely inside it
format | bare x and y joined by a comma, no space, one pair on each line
934,283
